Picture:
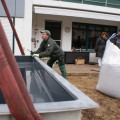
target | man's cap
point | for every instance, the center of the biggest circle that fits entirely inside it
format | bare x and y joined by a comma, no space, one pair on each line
47,32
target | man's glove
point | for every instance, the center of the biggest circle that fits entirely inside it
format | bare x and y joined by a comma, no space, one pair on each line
35,55
31,52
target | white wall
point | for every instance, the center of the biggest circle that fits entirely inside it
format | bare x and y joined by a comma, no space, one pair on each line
24,29
41,26
93,58
66,36
8,30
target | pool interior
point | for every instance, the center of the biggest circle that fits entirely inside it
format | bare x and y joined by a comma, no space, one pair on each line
42,86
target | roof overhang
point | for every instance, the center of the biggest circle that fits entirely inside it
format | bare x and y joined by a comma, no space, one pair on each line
76,10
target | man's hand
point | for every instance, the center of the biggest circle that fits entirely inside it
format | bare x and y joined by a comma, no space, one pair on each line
35,55
31,53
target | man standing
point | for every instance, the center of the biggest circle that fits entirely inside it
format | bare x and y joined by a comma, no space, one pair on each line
49,48
100,47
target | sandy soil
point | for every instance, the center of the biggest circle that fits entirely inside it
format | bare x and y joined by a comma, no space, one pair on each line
109,107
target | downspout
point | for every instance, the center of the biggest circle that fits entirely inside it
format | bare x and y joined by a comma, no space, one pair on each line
13,42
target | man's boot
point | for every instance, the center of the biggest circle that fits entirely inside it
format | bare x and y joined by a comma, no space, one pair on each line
63,71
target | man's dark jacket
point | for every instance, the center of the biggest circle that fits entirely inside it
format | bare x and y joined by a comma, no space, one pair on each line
49,48
100,47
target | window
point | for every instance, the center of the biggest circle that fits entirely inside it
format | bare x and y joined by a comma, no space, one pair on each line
95,2
77,1
108,3
55,28
16,8
113,3
78,39
78,35
8,30
85,35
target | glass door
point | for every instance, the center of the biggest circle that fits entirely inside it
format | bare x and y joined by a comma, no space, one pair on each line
55,28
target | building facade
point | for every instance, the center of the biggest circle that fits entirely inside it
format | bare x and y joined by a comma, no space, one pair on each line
73,23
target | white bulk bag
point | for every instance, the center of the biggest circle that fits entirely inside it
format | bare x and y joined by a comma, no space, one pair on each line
109,77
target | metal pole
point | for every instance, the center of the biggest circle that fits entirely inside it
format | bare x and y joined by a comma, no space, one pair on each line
13,43
106,3
82,1
13,28
86,37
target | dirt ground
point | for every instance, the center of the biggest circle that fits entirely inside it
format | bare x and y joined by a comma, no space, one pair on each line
109,107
